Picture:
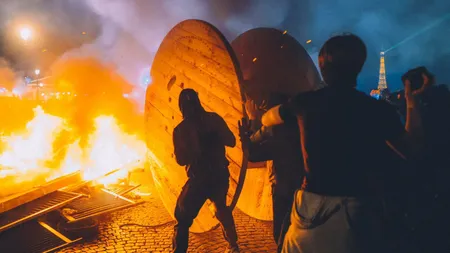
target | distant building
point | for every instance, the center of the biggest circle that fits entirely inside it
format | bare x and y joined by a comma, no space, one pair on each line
43,90
382,91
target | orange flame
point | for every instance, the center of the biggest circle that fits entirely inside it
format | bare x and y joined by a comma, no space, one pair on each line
96,132
27,155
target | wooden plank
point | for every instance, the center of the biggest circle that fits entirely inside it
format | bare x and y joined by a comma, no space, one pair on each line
205,48
198,29
16,200
213,92
199,63
211,100
36,208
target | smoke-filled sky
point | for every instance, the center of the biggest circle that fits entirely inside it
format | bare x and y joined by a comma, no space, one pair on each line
126,33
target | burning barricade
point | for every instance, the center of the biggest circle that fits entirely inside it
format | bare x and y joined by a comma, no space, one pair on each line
74,157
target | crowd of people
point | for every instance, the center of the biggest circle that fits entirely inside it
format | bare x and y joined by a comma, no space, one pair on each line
348,174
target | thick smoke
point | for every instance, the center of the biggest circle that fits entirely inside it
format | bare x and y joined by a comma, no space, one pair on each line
132,30
7,75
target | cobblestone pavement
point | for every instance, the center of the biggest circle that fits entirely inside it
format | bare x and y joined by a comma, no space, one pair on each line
254,235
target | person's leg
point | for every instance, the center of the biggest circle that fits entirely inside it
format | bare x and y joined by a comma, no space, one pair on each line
282,198
277,222
284,229
191,199
223,213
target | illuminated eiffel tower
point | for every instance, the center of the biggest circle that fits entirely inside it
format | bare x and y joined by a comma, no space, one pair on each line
382,84
382,92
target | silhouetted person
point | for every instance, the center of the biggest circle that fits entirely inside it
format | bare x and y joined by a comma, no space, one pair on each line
342,131
279,144
431,189
199,142
434,105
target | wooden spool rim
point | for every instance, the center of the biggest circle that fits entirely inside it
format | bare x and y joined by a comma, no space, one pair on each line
238,72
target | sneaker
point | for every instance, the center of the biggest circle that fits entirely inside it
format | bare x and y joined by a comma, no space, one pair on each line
234,249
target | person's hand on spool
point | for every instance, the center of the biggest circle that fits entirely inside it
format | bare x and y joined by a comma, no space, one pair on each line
244,131
252,109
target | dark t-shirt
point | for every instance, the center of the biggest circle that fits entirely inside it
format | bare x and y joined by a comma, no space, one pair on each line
342,134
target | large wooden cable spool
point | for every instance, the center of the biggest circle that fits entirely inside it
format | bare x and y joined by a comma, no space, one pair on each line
194,54
272,63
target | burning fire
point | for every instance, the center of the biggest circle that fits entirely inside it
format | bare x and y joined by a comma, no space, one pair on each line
98,132
109,149
27,155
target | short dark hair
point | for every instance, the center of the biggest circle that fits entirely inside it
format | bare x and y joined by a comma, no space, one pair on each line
416,78
344,55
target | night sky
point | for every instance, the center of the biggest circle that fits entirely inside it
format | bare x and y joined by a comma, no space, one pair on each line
127,32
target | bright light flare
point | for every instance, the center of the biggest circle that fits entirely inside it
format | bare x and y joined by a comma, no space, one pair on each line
37,71
25,33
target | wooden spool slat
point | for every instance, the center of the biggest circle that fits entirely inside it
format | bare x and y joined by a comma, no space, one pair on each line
194,54
213,101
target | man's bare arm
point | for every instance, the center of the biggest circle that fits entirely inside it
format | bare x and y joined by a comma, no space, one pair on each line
411,143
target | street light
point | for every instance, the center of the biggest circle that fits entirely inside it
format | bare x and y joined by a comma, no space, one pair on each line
25,33
37,71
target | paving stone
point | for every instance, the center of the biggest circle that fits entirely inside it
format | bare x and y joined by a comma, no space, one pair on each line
254,236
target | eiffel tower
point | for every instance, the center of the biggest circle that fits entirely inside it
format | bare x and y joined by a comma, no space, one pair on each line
382,92
382,84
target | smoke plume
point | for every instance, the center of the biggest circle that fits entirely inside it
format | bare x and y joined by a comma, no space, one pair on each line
133,30
127,33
